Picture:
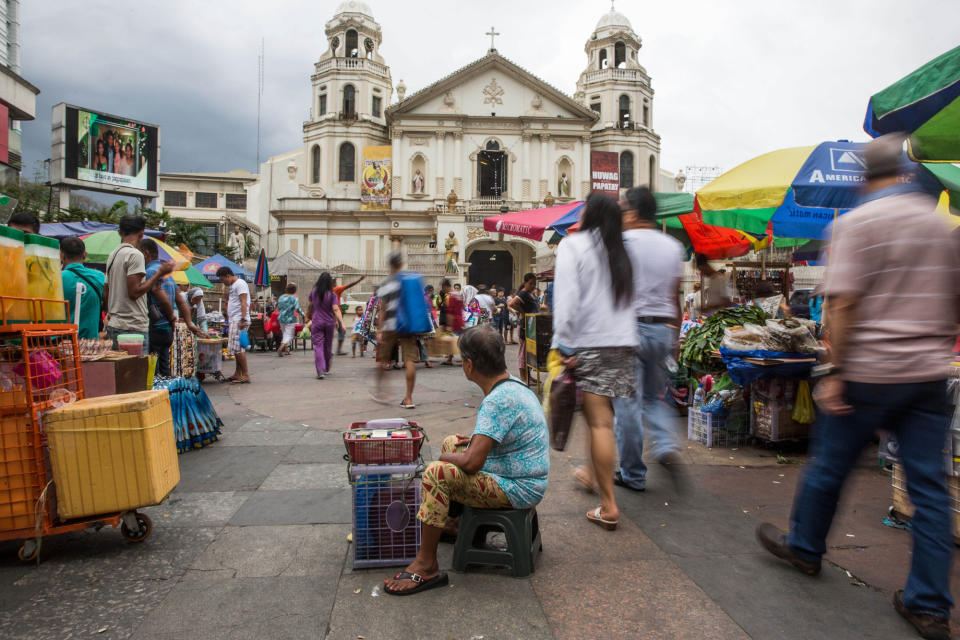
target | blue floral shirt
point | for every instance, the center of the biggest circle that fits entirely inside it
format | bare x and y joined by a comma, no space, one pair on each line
288,306
511,415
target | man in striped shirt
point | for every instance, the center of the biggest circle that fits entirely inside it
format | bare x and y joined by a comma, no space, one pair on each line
892,307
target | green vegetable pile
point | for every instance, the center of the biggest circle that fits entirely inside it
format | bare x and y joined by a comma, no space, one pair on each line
703,340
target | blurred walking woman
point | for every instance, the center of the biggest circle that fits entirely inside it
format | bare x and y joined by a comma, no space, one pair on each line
324,312
594,330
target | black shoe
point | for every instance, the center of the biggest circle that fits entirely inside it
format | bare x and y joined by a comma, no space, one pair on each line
775,541
928,626
673,464
620,482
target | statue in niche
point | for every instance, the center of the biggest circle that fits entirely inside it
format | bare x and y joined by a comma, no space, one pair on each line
451,248
418,182
563,186
452,201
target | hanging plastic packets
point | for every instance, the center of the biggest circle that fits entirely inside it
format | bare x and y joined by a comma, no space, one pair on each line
195,421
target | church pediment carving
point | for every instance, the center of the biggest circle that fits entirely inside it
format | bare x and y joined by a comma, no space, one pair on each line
312,191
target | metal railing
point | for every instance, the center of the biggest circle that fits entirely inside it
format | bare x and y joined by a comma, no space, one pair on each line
353,64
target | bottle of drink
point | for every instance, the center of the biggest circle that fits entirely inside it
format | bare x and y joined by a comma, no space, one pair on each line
698,396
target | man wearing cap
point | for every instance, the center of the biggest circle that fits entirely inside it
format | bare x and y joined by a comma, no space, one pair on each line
893,303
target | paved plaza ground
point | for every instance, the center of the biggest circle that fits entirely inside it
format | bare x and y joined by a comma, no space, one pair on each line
253,543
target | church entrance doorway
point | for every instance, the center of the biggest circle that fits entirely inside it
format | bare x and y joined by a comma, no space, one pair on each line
492,171
491,267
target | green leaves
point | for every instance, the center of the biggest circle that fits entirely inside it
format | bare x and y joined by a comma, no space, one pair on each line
702,341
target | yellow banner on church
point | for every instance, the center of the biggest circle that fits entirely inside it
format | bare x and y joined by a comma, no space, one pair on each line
376,176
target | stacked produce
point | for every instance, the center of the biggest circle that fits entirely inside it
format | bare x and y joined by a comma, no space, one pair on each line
702,341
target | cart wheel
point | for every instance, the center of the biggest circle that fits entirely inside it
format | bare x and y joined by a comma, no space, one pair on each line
144,527
28,551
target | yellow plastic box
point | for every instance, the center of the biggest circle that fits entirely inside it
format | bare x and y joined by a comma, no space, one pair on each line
112,453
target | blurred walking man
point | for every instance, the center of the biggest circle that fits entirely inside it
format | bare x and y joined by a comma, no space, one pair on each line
657,261
892,311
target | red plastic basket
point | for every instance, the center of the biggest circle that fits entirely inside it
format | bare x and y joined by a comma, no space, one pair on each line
384,450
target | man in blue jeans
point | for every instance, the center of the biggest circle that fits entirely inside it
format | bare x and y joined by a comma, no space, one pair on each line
657,261
892,306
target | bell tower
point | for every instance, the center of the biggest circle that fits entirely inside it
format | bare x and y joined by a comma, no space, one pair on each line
351,90
618,88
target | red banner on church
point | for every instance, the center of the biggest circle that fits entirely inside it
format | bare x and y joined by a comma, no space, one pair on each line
605,173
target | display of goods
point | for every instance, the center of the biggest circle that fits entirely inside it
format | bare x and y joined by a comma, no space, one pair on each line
789,336
94,349
771,412
386,498
112,453
44,277
14,281
715,430
393,441
700,342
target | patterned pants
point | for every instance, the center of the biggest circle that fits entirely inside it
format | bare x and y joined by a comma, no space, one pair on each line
444,482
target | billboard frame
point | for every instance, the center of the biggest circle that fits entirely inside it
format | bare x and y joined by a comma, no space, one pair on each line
58,155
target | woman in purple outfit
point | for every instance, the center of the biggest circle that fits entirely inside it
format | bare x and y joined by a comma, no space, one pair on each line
325,315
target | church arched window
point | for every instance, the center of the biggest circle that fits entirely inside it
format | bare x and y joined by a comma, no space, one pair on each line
315,164
603,63
653,173
493,145
626,170
624,111
349,101
353,45
347,162
619,55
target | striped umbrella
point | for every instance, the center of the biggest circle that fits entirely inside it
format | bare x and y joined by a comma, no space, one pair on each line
261,277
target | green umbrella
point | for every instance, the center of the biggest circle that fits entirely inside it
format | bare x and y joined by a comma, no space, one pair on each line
925,105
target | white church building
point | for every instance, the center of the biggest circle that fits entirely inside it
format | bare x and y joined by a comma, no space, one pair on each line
385,169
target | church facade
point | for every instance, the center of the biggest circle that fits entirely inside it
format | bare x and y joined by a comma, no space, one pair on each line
382,170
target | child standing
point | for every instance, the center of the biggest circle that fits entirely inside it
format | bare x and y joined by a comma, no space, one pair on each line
358,334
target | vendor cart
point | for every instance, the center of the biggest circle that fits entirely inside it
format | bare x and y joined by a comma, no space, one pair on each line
39,370
210,358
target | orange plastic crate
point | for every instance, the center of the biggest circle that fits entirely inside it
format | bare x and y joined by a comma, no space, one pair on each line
18,473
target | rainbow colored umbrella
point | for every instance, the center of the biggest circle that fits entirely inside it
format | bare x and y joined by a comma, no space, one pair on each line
261,276
925,105
101,244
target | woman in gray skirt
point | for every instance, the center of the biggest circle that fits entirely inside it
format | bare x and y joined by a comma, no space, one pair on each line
594,330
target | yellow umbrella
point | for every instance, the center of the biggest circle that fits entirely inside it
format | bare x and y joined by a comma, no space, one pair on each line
943,208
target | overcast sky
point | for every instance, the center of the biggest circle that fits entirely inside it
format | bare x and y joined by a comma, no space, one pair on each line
732,79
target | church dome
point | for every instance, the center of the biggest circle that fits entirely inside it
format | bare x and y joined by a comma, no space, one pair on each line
612,19
354,6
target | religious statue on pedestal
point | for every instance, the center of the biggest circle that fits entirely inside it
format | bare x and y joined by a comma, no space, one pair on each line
452,249
563,186
549,200
238,243
452,201
418,182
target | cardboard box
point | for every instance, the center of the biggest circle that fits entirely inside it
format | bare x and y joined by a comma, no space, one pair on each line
110,377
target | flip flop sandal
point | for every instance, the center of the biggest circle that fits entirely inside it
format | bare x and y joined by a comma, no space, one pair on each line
439,580
240,381
595,517
408,406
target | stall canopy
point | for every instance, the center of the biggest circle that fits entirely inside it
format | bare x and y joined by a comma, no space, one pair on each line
61,230
669,207
532,223
924,104
289,261
210,266
100,245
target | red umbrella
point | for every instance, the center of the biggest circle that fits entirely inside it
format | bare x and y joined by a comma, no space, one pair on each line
530,224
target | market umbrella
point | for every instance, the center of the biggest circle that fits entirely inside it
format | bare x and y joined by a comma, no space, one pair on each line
191,276
796,192
210,266
101,244
261,277
532,223
926,106
669,207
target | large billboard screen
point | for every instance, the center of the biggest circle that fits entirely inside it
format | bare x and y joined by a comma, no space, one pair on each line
99,151
605,173
376,178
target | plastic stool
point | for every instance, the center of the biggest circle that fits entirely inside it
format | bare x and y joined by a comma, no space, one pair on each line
521,528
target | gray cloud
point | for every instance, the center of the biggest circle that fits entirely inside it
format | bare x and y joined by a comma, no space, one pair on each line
732,80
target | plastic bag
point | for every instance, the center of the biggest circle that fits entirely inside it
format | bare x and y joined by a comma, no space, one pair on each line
244,340
563,402
44,370
803,405
745,338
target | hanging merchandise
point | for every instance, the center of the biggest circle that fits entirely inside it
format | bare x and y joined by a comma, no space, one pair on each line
803,404
195,421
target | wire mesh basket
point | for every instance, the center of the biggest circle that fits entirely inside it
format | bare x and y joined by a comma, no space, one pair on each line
386,498
384,450
713,430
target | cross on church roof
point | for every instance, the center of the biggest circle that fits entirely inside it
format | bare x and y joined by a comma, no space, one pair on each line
492,33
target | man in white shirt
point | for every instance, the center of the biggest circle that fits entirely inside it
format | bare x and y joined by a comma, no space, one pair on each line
238,314
657,261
